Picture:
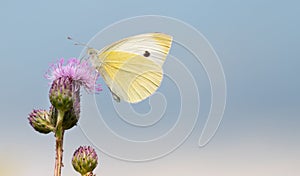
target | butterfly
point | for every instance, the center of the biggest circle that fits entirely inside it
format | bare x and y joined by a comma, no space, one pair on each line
132,67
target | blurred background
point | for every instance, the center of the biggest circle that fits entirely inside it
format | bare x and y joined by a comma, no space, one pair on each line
257,43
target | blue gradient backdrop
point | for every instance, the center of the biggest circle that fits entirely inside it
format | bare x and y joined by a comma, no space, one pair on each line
258,45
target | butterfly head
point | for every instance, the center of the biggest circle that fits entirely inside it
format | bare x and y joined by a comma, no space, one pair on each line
92,51
92,56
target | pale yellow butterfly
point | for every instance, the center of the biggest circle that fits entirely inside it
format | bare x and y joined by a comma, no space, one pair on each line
132,67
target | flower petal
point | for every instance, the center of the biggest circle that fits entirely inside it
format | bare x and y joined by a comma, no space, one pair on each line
79,70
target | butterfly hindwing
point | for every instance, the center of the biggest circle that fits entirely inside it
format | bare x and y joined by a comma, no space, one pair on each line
132,78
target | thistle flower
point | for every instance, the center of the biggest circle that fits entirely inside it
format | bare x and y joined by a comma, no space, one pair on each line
81,72
64,93
66,81
85,160
41,121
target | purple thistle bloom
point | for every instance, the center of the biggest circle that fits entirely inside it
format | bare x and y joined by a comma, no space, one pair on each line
81,72
64,93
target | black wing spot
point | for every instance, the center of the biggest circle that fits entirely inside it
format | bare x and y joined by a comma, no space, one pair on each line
146,54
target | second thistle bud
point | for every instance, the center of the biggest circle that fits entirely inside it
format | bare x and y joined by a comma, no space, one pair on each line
85,160
61,93
71,116
41,121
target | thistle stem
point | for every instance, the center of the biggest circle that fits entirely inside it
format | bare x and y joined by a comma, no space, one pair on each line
89,174
59,136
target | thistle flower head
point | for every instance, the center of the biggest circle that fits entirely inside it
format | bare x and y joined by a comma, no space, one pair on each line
85,160
67,80
41,121
80,71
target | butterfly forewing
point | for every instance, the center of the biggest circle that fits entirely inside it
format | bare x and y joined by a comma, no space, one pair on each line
157,45
132,67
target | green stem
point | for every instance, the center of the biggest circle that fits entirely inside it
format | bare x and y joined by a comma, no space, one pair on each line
59,136
89,174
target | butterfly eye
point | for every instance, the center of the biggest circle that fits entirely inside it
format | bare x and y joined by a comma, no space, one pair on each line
91,52
146,54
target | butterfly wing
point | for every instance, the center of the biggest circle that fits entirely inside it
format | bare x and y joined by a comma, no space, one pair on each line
132,67
153,46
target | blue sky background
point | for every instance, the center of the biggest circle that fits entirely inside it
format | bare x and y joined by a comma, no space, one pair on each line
257,43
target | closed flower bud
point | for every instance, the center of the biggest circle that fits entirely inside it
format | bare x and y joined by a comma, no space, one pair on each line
85,160
71,116
41,121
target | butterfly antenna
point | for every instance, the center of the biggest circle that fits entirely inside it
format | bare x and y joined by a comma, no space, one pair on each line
81,44
77,42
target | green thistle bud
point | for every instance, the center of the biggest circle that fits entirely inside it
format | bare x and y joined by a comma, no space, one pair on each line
61,93
85,160
41,121
71,116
